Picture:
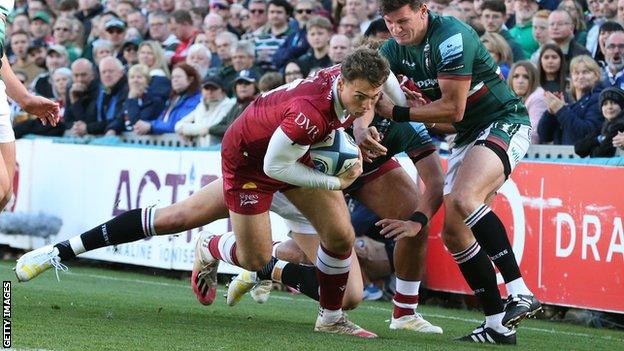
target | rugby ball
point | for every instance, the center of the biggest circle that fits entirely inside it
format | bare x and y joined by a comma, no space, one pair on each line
336,154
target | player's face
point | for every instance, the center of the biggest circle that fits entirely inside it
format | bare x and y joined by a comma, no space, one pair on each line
406,25
358,96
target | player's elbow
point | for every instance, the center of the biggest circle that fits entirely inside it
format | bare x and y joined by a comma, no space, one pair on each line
271,170
456,113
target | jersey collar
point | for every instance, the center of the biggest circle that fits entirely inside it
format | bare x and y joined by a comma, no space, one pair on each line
340,111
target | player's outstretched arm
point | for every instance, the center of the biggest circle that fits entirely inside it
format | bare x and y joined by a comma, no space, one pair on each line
449,108
46,110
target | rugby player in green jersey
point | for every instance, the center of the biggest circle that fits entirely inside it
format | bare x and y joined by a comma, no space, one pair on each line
451,67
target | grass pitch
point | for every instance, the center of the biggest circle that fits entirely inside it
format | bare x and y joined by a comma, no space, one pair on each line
98,309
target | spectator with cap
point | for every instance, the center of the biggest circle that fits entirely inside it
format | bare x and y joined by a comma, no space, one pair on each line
199,57
185,96
83,93
600,143
41,27
181,25
270,40
565,124
158,25
561,31
111,95
339,47
296,44
62,36
56,58
522,32
129,50
140,104
246,90
493,14
319,31
19,44
613,71
37,53
210,111
115,30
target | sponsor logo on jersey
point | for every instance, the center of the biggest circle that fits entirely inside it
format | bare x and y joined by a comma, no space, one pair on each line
409,64
427,83
248,199
304,123
452,52
250,185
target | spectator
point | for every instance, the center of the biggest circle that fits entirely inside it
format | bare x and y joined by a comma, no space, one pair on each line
221,8
561,31
37,53
68,9
224,42
258,19
377,30
576,12
292,72
524,81
102,48
198,14
349,26
296,43
565,124
600,143
270,81
493,14
77,34
607,12
140,105
19,44
158,24
212,109
467,9
522,32
213,26
613,72
137,20
339,48
358,9
551,69
87,11
61,77
437,6
606,29
83,93
21,21
115,32
499,49
181,25
319,31
56,58
111,96
246,89
122,9
199,57
270,40
41,27
152,55
239,19
62,36
540,32
130,53
185,85
242,59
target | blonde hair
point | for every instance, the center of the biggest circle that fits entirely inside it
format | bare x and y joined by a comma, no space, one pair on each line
499,46
590,64
141,69
542,14
160,61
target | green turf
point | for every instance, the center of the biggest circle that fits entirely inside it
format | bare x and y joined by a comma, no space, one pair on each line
97,309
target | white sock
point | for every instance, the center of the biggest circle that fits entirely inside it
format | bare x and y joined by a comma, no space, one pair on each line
329,316
496,322
76,245
407,287
517,286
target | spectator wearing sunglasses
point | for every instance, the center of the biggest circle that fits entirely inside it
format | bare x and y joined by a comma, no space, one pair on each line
62,36
296,44
258,19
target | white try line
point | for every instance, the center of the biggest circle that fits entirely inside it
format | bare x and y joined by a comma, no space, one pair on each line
375,308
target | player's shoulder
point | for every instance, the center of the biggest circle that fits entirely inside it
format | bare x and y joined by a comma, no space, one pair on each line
443,27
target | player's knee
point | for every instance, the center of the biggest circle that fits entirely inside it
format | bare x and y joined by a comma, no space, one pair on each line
341,243
170,220
462,203
255,262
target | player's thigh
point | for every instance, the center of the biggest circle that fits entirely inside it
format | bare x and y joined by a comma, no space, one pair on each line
290,251
392,195
309,244
253,239
203,207
328,213
7,167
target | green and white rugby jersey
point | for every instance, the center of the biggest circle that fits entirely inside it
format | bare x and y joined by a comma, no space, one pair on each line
452,50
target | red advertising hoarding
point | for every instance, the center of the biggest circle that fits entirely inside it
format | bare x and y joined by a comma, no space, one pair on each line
565,225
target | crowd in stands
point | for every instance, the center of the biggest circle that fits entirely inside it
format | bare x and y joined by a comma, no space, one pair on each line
191,67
